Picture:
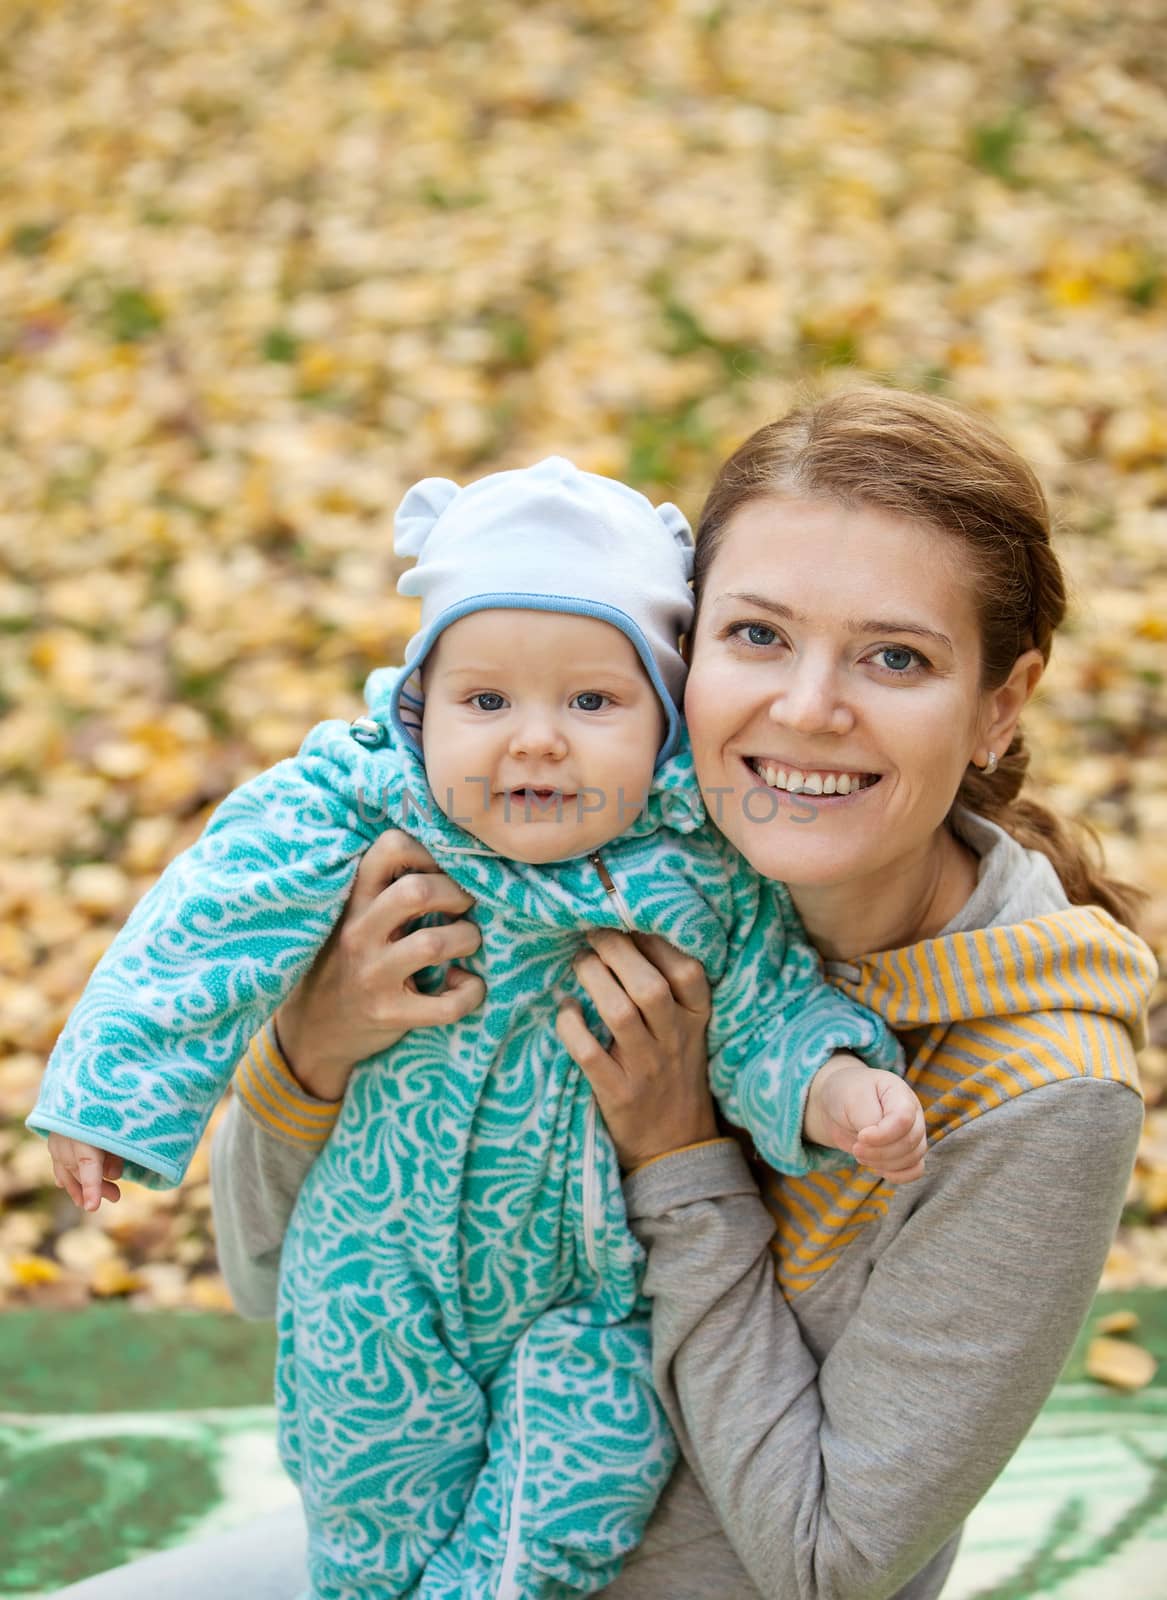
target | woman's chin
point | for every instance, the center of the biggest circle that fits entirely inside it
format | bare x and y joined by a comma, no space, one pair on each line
805,861
800,838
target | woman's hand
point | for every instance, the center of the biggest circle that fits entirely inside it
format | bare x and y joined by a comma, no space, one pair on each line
360,996
652,1082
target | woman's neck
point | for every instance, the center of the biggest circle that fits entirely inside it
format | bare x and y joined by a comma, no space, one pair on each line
896,905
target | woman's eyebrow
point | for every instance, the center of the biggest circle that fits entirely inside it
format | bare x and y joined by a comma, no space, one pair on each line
852,624
889,625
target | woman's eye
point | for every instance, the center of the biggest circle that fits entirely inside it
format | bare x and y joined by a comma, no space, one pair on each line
899,659
756,633
487,701
591,700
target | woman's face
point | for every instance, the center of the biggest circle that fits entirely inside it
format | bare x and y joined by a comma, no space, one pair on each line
833,699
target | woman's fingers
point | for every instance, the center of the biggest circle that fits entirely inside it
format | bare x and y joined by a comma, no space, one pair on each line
576,1037
633,987
627,1018
404,884
389,857
587,1052
464,992
386,978
652,1081
684,975
653,1099
359,997
431,947
419,894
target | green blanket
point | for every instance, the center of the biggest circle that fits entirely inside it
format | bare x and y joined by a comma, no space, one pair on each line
121,1433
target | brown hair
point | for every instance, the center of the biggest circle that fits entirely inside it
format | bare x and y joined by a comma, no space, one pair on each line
921,457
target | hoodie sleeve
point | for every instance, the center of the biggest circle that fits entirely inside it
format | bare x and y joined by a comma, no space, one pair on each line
775,1022
840,1480
265,1143
209,953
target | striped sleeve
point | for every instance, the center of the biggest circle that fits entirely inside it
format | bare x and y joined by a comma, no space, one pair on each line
272,1097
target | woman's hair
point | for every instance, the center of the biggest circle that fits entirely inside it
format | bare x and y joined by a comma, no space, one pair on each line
917,456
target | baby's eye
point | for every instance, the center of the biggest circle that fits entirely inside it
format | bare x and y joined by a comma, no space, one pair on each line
899,659
591,700
488,700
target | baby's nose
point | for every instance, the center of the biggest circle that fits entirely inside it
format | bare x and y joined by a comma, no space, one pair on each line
538,735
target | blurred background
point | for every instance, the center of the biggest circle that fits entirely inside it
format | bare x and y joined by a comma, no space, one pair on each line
263,263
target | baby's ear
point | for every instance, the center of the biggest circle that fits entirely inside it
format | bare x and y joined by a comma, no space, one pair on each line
677,523
417,513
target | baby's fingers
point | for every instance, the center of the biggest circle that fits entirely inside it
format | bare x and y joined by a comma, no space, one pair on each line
63,1153
90,1173
904,1174
67,1180
898,1159
112,1169
896,1124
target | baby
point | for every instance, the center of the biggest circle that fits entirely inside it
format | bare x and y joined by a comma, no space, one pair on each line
464,1384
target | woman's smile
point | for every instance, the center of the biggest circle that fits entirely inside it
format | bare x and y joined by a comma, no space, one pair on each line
810,777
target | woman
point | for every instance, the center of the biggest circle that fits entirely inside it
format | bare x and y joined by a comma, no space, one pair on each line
848,1368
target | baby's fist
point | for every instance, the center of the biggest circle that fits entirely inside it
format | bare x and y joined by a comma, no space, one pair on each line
86,1173
894,1142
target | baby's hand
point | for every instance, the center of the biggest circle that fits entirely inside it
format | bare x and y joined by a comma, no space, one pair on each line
84,1172
872,1115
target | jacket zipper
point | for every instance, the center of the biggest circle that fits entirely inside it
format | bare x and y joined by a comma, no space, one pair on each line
508,1586
612,890
590,1196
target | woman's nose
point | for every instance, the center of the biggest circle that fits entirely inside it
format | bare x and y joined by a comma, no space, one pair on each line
538,735
811,701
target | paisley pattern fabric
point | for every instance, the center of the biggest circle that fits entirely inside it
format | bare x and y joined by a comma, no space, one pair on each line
463,1382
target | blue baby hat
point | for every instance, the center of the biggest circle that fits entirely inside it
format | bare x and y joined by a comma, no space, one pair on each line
547,538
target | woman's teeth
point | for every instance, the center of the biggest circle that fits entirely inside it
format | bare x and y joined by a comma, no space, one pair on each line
795,781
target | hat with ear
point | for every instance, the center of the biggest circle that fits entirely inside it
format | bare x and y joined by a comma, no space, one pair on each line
547,538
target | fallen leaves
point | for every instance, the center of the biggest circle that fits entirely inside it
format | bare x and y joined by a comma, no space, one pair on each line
30,1271
1121,1365
263,266
1116,1361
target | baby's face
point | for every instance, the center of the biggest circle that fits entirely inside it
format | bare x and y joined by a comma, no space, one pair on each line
540,731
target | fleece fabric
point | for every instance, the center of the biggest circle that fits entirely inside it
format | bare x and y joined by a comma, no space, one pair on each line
836,1435
464,1382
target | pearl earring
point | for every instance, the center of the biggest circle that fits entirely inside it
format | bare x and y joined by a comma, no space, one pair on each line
990,765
